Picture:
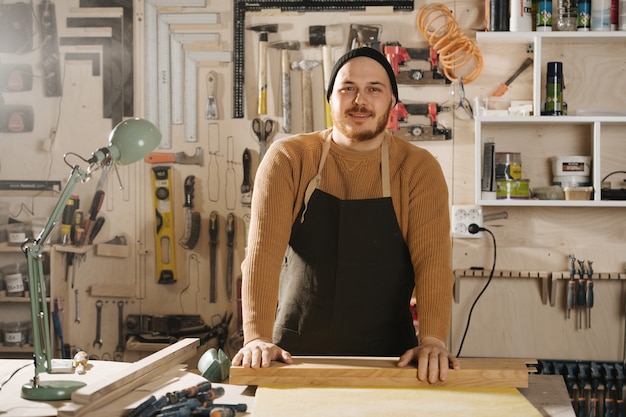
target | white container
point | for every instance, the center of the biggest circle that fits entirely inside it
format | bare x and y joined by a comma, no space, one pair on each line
601,15
571,166
521,16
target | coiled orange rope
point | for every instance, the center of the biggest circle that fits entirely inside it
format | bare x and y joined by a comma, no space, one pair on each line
459,55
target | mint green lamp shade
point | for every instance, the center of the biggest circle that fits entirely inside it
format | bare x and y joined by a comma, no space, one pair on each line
133,139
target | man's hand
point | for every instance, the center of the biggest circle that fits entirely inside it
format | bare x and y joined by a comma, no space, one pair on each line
260,354
433,360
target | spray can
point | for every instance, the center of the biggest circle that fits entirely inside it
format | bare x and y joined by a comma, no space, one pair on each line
554,90
584,15
601,15
544,16
520,19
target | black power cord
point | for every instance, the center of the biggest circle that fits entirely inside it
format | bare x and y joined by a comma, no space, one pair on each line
473,229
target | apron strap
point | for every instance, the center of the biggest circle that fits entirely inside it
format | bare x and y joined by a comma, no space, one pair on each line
314,183
384,168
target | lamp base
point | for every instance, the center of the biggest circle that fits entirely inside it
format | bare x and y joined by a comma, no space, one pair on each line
51,390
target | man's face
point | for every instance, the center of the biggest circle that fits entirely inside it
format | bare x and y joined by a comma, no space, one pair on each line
361,99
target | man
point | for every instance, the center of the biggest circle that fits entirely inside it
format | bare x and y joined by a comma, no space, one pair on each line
351,219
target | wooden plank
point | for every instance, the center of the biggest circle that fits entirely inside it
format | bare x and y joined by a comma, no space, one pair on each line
380,372
136,374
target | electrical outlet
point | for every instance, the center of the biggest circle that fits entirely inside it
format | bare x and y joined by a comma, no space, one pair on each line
462,217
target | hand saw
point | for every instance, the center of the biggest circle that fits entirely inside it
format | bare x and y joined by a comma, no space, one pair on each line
164,224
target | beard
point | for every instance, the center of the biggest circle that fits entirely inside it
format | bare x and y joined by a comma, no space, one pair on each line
361,134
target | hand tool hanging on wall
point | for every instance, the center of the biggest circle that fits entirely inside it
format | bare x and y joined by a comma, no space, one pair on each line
589,292
420,132
246,184
399,57
504,87
571,285
213,230
230,188
211,111
178,158
327,37
164,224
306,66
263,129
263,31
230,254
119,350
285,77
192,218
213,177
98,340
364,35
581,296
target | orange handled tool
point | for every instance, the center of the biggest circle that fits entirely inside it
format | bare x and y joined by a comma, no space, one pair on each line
504,87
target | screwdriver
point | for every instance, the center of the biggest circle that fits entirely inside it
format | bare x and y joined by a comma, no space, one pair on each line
96,204
66,221
504,87
95,229
581,297
589,302
571,285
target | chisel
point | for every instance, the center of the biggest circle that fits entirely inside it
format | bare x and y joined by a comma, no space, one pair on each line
230,243
213,229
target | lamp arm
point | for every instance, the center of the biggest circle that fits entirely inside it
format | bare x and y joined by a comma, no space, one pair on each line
36,283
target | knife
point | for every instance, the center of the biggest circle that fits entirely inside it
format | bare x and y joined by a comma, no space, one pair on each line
230,243
246,186
213,226
211,105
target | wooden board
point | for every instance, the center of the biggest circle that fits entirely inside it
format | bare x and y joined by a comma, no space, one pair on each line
397,402
98,393
380,372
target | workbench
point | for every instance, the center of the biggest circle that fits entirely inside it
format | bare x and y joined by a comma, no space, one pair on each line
547,393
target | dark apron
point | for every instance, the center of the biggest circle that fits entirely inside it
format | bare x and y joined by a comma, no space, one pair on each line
347,278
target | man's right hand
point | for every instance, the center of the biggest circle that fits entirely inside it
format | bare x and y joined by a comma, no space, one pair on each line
260,354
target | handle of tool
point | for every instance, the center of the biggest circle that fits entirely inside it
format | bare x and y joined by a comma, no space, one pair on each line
96,229
503,88
307,101
285,73
160,158
262,73
589,300
581,296
78,227
327,65
66,221
571,295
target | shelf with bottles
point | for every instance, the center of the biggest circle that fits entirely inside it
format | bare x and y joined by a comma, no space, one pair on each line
592,68
538,140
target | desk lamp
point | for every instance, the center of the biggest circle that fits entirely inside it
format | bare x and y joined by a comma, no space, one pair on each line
129,141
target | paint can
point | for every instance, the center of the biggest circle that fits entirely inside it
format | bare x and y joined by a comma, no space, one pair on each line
512,189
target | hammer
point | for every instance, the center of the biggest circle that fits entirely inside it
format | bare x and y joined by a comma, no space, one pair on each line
263,31
285,47
327,37
306,66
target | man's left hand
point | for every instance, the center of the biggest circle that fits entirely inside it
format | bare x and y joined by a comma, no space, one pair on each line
433,360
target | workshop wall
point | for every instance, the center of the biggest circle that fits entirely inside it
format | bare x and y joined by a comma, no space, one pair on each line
95,52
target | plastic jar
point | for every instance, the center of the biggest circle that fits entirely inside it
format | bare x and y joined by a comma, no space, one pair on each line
17,233
508,166
15,333
15,279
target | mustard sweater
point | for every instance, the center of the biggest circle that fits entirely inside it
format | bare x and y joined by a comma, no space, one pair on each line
420,199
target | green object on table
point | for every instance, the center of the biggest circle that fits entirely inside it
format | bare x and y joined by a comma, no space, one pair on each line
214,365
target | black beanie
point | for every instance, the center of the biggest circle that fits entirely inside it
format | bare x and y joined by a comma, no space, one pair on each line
367,52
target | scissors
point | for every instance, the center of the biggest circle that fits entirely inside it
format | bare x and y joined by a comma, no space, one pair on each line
263,130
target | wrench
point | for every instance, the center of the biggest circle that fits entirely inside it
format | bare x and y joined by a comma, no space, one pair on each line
77,318
119,350
98,340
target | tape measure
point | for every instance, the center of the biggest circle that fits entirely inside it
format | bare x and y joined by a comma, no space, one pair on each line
240,7
164,224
